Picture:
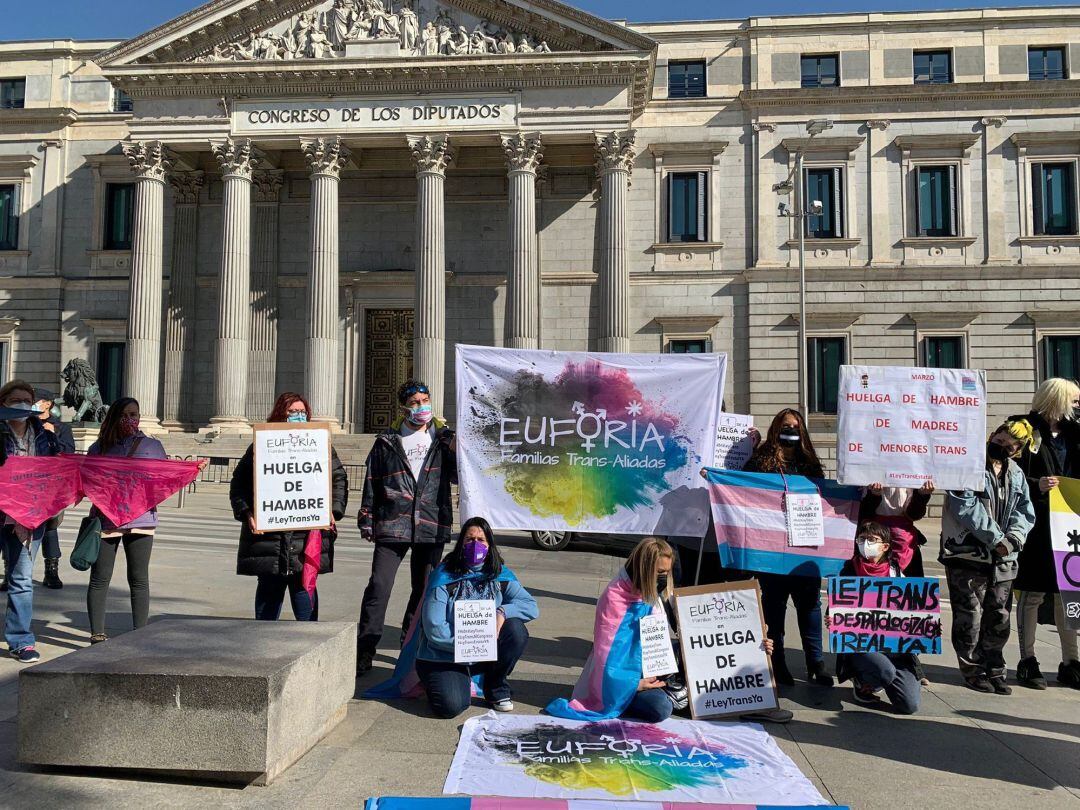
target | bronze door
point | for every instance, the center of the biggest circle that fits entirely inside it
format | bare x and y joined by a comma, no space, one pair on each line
388,337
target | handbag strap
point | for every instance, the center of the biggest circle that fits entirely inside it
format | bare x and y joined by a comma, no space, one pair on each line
134,446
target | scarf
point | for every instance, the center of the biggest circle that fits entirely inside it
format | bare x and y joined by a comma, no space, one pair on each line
865,568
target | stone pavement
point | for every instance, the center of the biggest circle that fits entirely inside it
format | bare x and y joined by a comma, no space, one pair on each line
962,750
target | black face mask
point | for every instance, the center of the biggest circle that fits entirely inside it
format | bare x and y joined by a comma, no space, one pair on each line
997,452
789,435
661,584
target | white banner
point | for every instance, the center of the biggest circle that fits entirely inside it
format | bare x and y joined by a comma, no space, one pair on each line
733,443
681,761
587,442
900,427
292,476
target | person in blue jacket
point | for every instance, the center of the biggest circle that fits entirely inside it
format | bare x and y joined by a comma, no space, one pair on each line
473,570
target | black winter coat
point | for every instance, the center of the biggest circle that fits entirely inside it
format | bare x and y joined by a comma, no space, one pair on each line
1037,572
398,508
280,553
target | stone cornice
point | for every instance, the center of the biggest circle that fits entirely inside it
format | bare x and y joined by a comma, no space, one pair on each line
823,144
53,117
1025,139
890,94
713,148
961,141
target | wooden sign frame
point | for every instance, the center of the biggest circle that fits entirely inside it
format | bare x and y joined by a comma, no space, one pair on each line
267,427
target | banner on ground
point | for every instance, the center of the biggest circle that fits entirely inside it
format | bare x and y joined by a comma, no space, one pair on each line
677,761
885,615
587,442
734,444
503,803
292,476
752,527
1065,539
722,634
901,427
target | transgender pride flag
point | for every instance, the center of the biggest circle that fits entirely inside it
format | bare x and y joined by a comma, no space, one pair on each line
496,803
751,528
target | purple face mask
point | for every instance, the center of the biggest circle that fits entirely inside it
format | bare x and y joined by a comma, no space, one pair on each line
475,551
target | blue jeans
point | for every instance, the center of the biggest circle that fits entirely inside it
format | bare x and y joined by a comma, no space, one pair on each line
878,672
20,594
270,594
449,685
649,706
805,592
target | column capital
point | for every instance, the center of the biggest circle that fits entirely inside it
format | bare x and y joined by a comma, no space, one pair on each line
994,121
615,151
236,158
523,152
150,160
431,154
186,186
325,155
878,123
266,185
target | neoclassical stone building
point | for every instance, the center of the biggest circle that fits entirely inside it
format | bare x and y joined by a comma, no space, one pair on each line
328,195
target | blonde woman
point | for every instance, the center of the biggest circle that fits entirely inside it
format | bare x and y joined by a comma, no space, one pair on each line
1054,454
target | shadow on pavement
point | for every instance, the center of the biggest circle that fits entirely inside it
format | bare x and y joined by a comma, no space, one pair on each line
1071,729
563,597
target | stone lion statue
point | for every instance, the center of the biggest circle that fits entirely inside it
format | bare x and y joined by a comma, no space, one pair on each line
81,392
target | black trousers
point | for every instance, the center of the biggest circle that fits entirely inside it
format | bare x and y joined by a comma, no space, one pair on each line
384,566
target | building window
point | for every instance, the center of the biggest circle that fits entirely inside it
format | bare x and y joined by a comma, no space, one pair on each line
12,94
686,79
5,361
687,207
119,215
1046,64
825,186
110,371
121,101
933,67
695,346
944,351
1053,198
935,201
1063,356
824,356
9,217
821,71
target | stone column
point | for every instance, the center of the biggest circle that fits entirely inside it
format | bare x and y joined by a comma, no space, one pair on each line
262,369
231,351
151,162
614,163
997,251
522,323
183,294
877,201
326,158
431,155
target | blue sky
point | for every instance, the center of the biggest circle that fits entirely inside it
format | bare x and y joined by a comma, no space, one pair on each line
107,19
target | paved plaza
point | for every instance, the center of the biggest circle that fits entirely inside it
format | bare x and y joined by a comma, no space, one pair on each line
962,750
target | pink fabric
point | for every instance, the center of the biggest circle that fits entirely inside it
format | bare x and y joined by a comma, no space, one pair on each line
902,530
36,488
312,561
125,488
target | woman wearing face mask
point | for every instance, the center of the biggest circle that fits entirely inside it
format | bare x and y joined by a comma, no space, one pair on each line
1054,454
894,673
982,533
277,558
788,449
120,436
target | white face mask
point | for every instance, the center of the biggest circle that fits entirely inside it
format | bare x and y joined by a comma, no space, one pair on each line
871,549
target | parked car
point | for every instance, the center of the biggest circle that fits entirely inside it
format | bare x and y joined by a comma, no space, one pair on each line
557,541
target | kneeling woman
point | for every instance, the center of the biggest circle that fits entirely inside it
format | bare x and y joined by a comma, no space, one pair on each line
472,570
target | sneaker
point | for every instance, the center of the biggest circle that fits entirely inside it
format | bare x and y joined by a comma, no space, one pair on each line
363,662
502,705
27,655
768,716
1069,674
1028,674
863,695
98,639
999,685
980,683
924,681
818,675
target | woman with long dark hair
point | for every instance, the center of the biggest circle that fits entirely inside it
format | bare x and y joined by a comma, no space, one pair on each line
120,437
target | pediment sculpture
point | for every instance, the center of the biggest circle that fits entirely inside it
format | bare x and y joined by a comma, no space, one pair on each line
324,33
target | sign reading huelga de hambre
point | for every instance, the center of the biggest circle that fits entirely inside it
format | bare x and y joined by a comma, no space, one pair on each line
379,115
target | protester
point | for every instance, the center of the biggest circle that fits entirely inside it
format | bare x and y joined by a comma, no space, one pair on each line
50,544
120,437
277,558
898,509
1055,411
22,436
406,506
982,533
473,570
788,450
897,674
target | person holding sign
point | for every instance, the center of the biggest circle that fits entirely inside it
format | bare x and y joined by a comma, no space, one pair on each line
898,509
981,537
1055,415
788,450
897,674
472,625
277,558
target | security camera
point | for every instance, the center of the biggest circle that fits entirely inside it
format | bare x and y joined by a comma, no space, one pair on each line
782,209
816,208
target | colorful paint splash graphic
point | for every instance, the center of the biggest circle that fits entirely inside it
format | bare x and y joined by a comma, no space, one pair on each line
581,446
623,759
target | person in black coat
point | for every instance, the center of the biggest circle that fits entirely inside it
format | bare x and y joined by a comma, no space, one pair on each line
277,558
1056,454
50,544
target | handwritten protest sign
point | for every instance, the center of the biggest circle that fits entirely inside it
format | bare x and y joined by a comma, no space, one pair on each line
733,443
292,476
1065,539
721,633
657,655
805,523
475,634
902,427
883,614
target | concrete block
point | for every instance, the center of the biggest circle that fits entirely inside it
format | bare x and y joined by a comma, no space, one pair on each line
898,63
1012,60
969,60
786,67
854,66
155,700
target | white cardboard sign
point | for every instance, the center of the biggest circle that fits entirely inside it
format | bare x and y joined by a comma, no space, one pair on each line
657,656
722,634
805,522
475,634
733,444
292,476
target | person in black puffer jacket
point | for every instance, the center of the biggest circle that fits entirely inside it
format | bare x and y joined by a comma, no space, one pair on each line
277,558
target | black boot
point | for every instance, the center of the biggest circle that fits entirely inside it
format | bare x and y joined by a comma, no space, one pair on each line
781,673
52,574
